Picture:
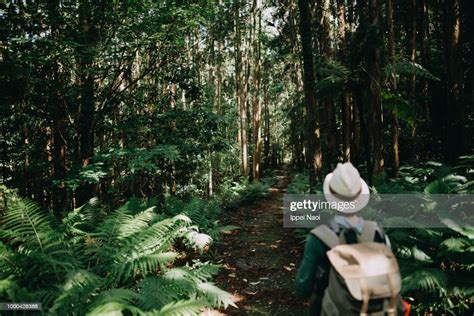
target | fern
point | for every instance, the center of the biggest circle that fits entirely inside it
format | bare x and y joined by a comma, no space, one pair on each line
157,292
215,295
180,308
335,78
25,223
427,280
98,264
403,67
80,285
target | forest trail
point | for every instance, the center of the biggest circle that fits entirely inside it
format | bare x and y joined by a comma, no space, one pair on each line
259,261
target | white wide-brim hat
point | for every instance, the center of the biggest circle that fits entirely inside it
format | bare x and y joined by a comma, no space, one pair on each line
344,184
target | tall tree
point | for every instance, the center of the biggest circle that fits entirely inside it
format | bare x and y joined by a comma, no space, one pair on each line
411,36
393,86
240,93
345,100
328,104
312,120
87,38
374,60
256,127
455,109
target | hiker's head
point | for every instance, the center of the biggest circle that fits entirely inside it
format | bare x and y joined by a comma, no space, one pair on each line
345,187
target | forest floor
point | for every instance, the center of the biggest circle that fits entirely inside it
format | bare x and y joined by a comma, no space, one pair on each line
260,260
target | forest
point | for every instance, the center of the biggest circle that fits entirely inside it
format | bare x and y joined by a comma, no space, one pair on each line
145,147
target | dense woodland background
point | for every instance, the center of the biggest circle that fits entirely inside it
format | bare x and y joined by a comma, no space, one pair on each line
118,116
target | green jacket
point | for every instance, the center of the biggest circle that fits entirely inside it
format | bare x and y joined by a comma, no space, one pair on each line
314,261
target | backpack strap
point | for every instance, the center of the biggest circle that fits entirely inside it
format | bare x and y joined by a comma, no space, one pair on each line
368,231
326,235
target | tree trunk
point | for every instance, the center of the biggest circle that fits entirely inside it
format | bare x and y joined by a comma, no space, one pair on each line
345,105
313,131
364,131
240,95
454,143
331,141
256,129
411,34
266,130
87,40
59,120
424,49
375,88
219,76
296,132
393,86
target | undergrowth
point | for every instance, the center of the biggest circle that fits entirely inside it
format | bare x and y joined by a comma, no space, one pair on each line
95,262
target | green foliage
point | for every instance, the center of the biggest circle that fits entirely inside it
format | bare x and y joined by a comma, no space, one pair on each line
95,264
335,79
403,67
203,213
436,263
235,194
299,184
404,108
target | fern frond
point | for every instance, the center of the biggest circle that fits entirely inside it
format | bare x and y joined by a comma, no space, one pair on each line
216,296
457,244
114,308
144,251
205,271
114,301
134,224
25,223
8,288
428,280
157,292
180,308
143,264
79,286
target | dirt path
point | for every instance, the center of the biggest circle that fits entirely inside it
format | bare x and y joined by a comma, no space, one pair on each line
259,261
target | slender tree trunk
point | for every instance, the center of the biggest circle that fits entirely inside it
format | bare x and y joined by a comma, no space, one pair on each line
454,143
59,120
297,115
424,29
48,196
345,104
411,33
240,95
374,60
329,106
219,76
197,57
355,130
313,131
266,130
364,131
173,186
256,128
393,86
211,85
86,119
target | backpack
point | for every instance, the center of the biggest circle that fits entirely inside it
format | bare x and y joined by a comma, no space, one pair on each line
364,278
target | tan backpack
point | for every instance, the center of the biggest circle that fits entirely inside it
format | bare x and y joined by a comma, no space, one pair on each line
364,278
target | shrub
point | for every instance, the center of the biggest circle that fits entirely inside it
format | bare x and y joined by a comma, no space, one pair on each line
203,213
235,194
93,262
